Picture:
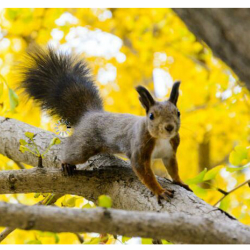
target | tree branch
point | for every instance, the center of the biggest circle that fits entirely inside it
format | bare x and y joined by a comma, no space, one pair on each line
118,182
52,199
191,229
231,191
6,232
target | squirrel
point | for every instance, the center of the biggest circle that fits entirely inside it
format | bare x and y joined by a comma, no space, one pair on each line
62,85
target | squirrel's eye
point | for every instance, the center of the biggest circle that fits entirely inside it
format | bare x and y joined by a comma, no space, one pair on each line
151,116
178,113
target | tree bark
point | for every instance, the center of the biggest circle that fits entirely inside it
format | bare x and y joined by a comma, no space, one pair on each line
226,31
177,228
52,200
103,174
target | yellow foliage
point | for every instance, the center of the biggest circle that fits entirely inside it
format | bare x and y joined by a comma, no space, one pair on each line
214,106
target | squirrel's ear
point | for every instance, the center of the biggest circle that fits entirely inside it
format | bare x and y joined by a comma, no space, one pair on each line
175,93
145,98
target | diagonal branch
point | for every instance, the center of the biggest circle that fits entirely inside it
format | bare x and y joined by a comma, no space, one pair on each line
231,191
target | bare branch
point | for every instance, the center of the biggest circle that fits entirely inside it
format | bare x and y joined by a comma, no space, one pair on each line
6,232
191,229
20,165
229,192
52,199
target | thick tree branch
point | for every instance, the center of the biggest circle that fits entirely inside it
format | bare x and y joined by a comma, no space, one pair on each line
119,182
52,199
191,229
226,31
102,175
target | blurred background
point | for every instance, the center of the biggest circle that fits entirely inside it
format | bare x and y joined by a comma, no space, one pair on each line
125,48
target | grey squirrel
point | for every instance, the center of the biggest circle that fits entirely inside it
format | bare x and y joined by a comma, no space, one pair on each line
62,85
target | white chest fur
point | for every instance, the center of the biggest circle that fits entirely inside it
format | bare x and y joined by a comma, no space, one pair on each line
162,149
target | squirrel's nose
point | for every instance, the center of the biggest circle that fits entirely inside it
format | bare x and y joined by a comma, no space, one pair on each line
169,128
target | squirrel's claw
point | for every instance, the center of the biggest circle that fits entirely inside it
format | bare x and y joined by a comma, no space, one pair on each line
183,185
68,169
167,194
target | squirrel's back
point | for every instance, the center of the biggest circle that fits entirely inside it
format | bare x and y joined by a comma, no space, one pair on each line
60,83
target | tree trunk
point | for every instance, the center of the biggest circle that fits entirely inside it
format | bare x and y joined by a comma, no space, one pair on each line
227,33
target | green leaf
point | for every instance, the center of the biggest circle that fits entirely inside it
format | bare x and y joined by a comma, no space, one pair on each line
125,239
29,135
13,99
231,170
237,155
55,141
33,242
165,242
71,202
212,173
12,13
198,191
36,195
57,239
197,179
48,199
87,206
104,201
24,149
23,142
146,241
225,203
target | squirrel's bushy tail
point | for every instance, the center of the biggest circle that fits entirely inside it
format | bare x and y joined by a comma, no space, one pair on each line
60,83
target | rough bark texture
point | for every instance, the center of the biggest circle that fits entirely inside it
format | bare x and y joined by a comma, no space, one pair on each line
226,31
177,228
52,200
102,175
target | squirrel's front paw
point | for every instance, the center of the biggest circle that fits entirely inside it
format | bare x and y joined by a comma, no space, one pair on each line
68,169
167,194
183,185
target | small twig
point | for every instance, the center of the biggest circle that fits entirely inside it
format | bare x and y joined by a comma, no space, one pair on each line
80,237
217,189
229,192
6,232
222,191
40,162
20,165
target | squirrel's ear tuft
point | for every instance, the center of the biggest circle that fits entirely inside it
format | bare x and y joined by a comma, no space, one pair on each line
145,98
175,92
